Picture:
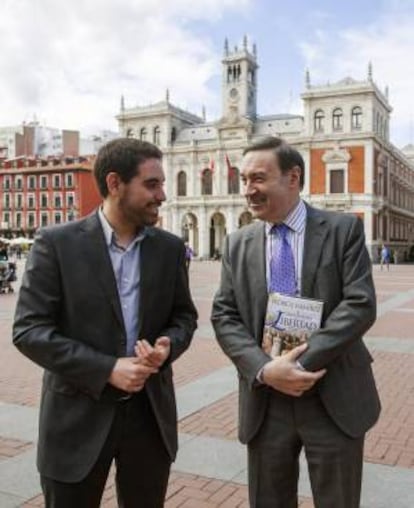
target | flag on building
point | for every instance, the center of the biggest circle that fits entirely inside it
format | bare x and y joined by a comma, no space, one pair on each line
230,169
211,164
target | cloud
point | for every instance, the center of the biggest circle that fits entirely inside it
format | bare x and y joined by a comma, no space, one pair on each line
69,62
387,42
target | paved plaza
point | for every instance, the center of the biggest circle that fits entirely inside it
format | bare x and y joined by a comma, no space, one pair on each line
210,469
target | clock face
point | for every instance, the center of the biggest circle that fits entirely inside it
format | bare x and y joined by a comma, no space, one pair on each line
234,94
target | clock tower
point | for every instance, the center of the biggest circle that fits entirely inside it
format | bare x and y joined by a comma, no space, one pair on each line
239,83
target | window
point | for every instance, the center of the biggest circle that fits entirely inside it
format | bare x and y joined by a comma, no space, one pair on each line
43,200
337,181
18,182
182,184
379,125
30,201
6,218
173,134
7,201
32,182
319,120
70,200
43,182
57,201
56,182
7,183
30,220
18,220
19,201
143,134
356,118
69,180
233,181
44,219
58,218
207,182
337,119
156,135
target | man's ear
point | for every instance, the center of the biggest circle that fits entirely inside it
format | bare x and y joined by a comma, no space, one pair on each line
112,182
294,175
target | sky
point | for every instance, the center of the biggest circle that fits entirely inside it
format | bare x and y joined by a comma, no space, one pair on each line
66,64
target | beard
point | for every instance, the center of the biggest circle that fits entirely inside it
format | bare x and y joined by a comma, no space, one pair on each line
139,216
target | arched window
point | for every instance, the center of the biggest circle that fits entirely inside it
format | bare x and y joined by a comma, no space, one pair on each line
130,133
233,181
182,184
356,117
143,134
173,134
207,182
319,120
156,135
337,117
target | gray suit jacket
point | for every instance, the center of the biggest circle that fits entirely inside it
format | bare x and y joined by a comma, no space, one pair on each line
69,321
336,269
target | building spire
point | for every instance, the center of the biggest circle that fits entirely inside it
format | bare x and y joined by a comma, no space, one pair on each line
307,79
369,71
387,92
167,95
203,113
245,42
226,47
254,50
122,103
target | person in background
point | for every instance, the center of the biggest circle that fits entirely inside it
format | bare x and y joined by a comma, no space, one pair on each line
385,257
3,252
320,396
92,288
189,253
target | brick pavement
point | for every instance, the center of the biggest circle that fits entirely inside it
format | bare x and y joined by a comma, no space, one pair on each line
188,491
12,447
390,442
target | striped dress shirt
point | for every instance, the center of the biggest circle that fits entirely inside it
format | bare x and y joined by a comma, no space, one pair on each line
296,221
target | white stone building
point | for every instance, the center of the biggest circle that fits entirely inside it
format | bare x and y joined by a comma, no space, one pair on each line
343,135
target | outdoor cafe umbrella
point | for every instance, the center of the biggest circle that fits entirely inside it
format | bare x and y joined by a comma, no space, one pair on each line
20,240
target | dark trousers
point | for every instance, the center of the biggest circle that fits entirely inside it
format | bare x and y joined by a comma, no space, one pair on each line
141,459
334,459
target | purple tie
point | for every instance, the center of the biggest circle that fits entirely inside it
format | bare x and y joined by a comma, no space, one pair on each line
282,263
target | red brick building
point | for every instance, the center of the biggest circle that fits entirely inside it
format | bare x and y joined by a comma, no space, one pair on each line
39,192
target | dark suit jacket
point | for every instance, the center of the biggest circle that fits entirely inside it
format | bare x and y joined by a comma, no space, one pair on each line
69,321
336,269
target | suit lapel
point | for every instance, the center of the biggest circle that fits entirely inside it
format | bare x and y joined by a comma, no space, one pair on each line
96,252
150,263
316,231
255,260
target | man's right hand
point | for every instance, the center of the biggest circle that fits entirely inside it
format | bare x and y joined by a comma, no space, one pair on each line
130,375
283,374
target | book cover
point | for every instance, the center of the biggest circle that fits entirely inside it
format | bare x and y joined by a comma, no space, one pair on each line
289,322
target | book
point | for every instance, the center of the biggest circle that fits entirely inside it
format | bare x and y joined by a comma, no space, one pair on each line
289,322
